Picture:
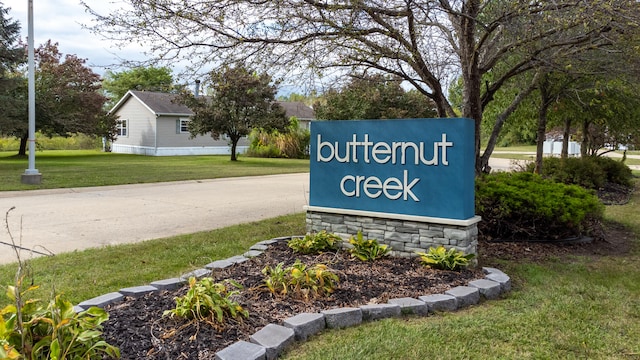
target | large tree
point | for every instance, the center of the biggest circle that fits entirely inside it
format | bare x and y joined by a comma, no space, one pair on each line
240,100
68,99
12,84
373,97
149,78
426,42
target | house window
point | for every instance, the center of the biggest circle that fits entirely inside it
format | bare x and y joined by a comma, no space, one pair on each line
123,128
182,126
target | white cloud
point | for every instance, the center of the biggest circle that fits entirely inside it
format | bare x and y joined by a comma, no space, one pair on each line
61,21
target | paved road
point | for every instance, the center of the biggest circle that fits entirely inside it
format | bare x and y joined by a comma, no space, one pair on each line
68,219
63,220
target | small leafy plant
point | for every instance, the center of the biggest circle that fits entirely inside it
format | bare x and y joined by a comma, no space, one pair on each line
208,301
52,332
315,243
441,258
300,280
367,250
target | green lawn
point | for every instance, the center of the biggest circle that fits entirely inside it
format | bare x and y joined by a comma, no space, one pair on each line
564,308
80,168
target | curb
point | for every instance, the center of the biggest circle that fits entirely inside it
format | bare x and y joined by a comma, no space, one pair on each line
270,341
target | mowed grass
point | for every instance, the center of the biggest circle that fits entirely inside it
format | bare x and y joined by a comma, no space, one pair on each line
565,308
82,275
81,168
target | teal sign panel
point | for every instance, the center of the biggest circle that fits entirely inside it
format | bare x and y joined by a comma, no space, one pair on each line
420,167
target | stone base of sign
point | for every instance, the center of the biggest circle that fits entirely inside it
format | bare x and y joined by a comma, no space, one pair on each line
404,234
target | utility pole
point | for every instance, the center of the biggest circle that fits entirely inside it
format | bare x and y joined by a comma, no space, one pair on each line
31,175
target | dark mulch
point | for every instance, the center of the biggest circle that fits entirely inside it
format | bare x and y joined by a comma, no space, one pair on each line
138,328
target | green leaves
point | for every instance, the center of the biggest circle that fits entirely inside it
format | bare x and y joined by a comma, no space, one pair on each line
300,280
315,243
54,332
209,302
367,250
441,258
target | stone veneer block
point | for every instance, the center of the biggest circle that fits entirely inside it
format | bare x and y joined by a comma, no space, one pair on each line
168,284
440,302
490,270
411,306
466,295
503,279
274,338
487,288
379,311
237,259
102,300
259,247
305,324
252,253
219,264
138,291
342,317
242,350
198,274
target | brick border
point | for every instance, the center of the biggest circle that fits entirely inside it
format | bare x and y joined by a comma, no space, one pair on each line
270,341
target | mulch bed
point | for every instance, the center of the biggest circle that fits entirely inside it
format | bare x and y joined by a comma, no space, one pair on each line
138,328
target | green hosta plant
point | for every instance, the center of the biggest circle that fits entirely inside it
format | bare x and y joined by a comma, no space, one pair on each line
367,250
301,280
315,243
441,258
208,301
54,332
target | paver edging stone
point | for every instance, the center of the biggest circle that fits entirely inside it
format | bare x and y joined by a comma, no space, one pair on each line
452,300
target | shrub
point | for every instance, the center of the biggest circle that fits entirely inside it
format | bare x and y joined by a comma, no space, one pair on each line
52,332
300,280
441,258
315,243
367,250
616,172
590,172
208,301
524,206
292,143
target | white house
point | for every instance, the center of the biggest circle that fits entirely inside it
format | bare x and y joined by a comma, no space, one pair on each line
151,123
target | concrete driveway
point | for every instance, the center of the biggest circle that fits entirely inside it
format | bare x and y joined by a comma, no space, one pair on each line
63,220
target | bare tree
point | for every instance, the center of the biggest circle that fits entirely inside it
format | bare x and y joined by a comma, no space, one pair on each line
425,42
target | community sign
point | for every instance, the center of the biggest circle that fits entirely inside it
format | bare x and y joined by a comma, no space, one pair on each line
414,167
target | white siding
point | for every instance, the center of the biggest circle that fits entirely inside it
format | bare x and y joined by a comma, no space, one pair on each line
141,126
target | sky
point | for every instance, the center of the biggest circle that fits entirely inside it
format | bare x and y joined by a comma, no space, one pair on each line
61,21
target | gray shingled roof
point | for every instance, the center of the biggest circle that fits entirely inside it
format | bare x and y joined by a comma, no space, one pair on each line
162,103
298,109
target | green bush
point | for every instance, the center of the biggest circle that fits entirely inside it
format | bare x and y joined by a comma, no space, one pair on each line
616,172
208,301
315,243
441,258
590,172
367,250
30,331
300,280
524,206
292,143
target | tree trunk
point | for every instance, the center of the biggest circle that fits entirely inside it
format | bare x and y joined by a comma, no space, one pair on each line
234,145
23,145
465,24
545,102
585,138
497,127
565,138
